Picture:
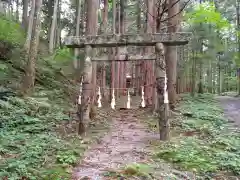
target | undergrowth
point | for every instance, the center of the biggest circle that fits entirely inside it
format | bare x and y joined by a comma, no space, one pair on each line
37,138
206,146
29,142
132,170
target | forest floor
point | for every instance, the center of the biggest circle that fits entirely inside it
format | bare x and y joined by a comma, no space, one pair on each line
125,152
124,144
200,147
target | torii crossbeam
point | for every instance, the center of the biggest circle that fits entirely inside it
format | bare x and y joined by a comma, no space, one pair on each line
159,40
114,40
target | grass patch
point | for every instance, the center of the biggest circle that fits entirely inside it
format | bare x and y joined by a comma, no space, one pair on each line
132,170
213,149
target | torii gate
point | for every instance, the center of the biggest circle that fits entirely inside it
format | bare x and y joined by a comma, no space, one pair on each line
158,40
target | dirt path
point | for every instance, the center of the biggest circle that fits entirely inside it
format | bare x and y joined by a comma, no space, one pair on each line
231,106
124,144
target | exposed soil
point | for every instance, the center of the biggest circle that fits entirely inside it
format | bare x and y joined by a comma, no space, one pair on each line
231,106
126,143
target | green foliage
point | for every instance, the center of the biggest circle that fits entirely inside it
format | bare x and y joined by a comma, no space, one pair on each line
132,170
28,140
236,58
63,55
11,32
67,157
231,83
207,145
206,13
57,173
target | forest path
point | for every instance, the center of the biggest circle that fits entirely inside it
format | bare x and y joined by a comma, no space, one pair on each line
231,107
125,144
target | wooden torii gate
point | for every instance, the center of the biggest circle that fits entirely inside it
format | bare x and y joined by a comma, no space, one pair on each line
158,40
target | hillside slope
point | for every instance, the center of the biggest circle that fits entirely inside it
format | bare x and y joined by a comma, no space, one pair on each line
36,136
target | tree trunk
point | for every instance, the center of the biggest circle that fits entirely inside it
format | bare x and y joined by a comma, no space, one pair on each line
219,77
163,121
58,26
137,90
171,54
200,87
113,64
29,78
30,29
17,10
148,65
94,22
84,107
53,27
193,74
49,17
25,14
238,42
118,80
105,19
76,50
122,50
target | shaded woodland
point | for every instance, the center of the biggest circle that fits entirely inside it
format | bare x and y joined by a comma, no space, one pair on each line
164,65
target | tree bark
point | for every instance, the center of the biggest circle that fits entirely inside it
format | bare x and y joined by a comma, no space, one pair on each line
193,74
94,21
84,107
30,70
58,26
238,41
137,90
171,53
105,19
122,28
53,27
162,111
200,87
30,29
25,14
113,64
148,65
17,10
49,19
76,50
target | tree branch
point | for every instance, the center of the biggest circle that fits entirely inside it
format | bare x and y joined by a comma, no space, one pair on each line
172,5
176,13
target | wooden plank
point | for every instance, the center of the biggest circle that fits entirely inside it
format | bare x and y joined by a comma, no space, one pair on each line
113,40
126,58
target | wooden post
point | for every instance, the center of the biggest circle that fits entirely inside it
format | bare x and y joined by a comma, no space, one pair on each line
163,121
84,107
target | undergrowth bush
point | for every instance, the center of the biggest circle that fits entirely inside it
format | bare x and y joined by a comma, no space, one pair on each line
211,146
231,82
28,142
33,140
11,32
